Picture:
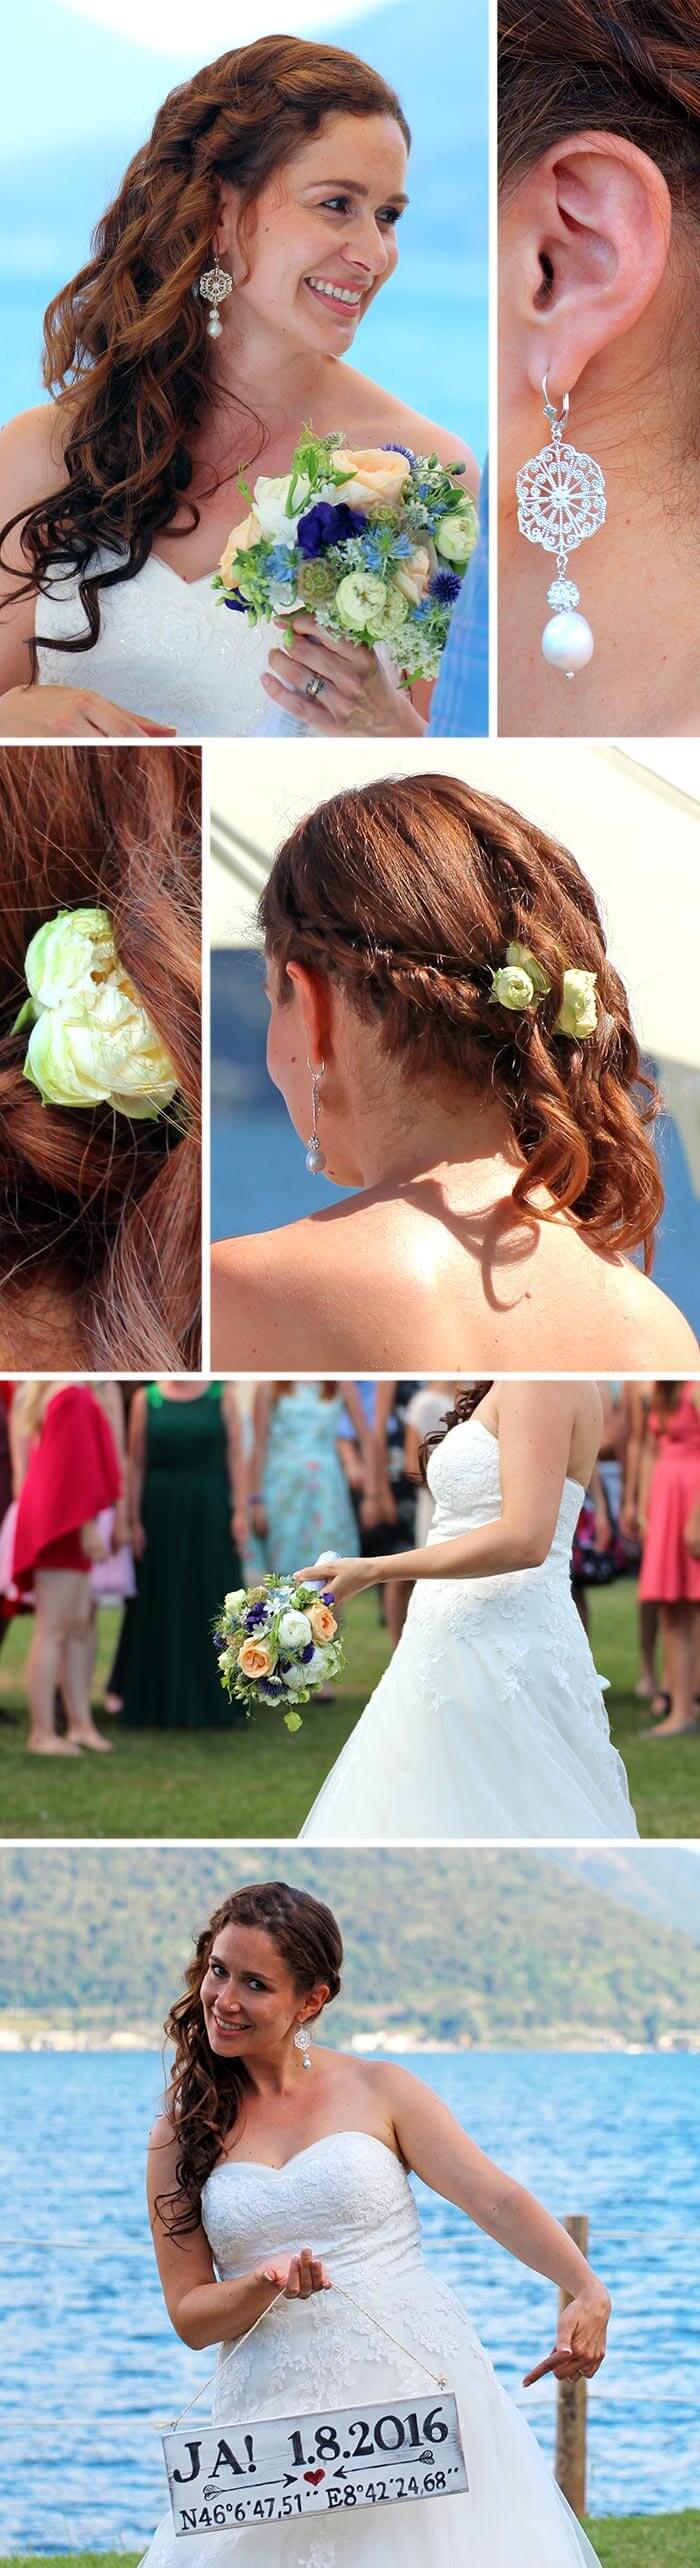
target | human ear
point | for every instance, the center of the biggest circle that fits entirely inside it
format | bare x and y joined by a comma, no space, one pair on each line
591,229
313,998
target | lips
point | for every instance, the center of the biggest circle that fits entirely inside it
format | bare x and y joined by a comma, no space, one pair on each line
227,2028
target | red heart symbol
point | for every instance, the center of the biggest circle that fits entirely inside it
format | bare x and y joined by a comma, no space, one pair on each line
314,2477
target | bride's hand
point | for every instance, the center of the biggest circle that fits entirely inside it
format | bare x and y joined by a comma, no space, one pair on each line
357,695
581,2339
298,2276
342,1579
72,713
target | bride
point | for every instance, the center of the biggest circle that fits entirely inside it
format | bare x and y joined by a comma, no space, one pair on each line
272,2191
282,166
491,1111
489,1720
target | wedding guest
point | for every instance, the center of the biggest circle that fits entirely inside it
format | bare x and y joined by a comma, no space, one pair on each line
72,1476
670,1517
300,1499
188,1500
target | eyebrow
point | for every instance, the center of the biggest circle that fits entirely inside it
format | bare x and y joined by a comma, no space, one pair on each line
353,187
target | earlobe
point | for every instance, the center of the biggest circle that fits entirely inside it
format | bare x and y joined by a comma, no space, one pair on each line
600,218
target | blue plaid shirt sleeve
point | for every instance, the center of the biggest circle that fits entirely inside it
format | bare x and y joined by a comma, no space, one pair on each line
460,706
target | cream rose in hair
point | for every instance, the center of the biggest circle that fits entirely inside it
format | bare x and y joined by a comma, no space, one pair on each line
91,1042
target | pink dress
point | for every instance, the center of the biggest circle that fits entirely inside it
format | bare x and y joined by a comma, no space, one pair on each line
670,1574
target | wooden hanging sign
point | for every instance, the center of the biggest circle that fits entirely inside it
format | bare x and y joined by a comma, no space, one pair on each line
223,2475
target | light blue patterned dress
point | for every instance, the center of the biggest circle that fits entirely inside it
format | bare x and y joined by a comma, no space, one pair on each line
304,1489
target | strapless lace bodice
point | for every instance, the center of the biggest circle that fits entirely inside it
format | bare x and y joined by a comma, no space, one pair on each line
465,1481
349,2198
167,648
348,2191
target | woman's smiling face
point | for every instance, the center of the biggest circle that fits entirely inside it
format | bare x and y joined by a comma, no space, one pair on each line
322,237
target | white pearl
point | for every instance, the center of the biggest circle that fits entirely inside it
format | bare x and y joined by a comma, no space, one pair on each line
567,642
315,1160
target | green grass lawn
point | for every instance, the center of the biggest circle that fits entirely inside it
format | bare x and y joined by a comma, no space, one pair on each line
260,1782
621,2541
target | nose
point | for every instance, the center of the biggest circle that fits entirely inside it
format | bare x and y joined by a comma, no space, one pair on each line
369,248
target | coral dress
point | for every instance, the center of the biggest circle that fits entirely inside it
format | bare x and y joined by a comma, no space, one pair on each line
670,1575
73,1473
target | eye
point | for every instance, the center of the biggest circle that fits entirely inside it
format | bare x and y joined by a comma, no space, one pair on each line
390,214
255,1983
336,204
219,1969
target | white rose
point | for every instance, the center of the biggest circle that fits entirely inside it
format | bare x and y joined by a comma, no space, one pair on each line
271,494
318,1665
236,1597
294,1679
64,955
294,1630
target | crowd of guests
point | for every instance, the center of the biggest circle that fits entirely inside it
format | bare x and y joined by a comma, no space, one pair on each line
157,1498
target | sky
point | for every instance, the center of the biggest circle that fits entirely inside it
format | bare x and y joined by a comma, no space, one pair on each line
166,25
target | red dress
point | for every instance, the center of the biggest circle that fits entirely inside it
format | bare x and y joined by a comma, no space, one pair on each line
73,1472
670,1575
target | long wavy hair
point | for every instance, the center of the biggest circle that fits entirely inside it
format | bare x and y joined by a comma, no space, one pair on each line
206,2096
465,1403
104,1210
579,66
125,342
406,894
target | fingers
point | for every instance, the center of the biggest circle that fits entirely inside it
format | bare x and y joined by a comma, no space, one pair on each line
308,709
339,646
307,2274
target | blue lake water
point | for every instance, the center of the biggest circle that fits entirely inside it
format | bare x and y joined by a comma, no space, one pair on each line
88,2357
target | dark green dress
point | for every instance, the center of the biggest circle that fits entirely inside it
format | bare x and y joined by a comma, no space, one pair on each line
172,1679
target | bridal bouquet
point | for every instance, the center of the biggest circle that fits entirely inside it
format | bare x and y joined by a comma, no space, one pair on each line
277,1643
373,542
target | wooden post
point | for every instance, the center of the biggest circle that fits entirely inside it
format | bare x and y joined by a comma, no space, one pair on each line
570,2462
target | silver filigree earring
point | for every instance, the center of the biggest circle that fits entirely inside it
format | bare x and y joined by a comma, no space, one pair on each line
315,1156
561,501
214,286
302,2042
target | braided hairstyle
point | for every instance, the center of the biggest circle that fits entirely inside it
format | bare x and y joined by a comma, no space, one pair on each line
125,342
206,2096
578,66
405,893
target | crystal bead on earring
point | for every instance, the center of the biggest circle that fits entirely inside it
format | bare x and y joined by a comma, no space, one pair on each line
302,2042
315,1156
561,501
214,286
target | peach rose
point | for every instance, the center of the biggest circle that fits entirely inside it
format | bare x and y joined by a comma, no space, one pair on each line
377,478
240,541
255,1659
323,1622
412,577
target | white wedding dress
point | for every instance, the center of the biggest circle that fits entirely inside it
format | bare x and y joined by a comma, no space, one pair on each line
348,2197
490,1720
167,648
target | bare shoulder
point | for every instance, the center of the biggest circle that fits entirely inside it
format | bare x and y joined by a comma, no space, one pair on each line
658,1340
269,1293
31,457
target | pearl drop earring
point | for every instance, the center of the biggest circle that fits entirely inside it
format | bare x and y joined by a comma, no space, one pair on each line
315,1156
561,501
302,2042
214,286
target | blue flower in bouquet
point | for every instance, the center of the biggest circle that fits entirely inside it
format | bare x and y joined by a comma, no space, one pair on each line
393,448
328,522
238,605
256,1614
280,566
308,1653
445,587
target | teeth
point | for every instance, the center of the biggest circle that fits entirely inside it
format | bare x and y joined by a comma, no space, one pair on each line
336,293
